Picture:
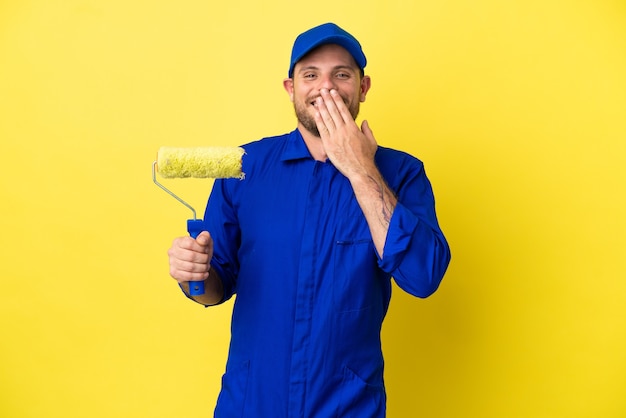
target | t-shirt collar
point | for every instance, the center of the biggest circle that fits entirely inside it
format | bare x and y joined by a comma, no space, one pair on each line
295,148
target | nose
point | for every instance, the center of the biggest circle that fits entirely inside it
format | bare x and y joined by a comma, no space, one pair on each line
327,82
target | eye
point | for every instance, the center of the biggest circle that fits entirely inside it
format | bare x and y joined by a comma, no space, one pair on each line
343,76
309,76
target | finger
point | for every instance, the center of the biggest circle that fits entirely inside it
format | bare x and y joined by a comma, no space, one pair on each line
367,131
323,120
340,105
187,249
189,266
205,240
330,102
324,113
184,270
181,256
199,244
321,126
184,275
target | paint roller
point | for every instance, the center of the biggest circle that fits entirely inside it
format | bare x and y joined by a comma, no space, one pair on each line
197,162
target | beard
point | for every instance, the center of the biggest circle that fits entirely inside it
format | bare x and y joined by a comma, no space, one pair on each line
308,121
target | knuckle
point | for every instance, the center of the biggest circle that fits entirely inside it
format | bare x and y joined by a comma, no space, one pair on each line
174,273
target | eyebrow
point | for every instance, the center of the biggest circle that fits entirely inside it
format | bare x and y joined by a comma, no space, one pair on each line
338,67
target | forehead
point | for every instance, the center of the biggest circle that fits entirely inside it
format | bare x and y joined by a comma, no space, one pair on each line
329,55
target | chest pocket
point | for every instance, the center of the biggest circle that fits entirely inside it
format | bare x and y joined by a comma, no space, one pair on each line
355,283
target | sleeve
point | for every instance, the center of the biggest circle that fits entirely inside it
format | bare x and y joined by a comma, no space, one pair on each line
222,223
416,252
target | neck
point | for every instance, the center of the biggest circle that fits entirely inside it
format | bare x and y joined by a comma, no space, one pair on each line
314,144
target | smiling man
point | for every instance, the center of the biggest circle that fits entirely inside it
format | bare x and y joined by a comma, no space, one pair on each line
338,71
309,242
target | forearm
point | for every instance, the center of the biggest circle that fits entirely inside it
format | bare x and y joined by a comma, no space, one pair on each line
213,290
377,202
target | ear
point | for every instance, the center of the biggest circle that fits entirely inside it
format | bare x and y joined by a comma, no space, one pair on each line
366,83
288,85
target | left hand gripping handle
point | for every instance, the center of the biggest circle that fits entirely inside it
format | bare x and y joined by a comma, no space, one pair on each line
194,227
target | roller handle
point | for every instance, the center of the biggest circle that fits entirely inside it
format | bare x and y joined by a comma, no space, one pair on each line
194,227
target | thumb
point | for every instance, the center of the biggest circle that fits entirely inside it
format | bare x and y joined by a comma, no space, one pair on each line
203,238
365,128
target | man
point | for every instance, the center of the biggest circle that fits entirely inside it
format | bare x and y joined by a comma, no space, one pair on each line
308,242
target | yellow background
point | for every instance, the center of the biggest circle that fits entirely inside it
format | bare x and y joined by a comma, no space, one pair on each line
517,108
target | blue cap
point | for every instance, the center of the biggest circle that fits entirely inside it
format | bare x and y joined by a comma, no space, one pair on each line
328,33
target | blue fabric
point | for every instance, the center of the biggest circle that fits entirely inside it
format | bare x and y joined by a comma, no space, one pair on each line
292,243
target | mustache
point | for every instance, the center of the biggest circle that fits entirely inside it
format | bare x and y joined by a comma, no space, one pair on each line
313,99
